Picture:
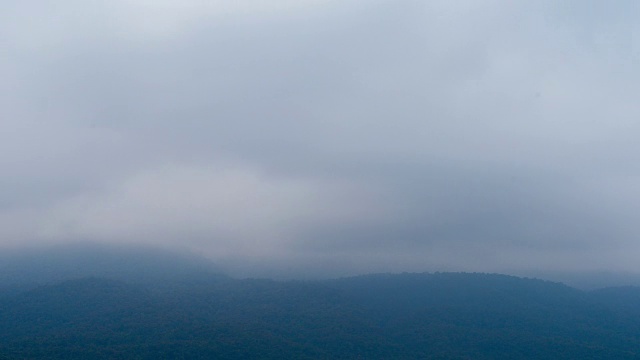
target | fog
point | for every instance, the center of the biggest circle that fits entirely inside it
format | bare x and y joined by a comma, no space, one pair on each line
326,137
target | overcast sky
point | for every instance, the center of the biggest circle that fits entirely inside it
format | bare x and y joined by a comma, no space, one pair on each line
317,135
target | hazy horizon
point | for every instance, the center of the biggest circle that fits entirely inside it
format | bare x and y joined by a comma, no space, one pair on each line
326,136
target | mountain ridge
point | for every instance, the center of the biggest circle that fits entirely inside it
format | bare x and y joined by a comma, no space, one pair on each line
378,316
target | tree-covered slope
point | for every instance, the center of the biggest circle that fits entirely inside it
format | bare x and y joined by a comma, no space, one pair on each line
405,316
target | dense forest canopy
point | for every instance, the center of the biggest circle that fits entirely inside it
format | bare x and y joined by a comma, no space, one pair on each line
200,313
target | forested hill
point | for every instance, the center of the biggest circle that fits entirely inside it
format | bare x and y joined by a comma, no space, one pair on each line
403,316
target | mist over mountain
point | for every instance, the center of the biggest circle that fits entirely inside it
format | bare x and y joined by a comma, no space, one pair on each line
587,280
119,262
144,263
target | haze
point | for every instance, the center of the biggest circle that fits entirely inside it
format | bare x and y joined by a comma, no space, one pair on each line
315,137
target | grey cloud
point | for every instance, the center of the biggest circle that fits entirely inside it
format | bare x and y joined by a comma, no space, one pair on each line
376,135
